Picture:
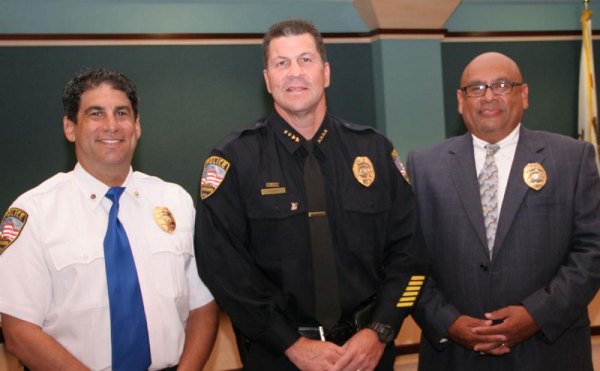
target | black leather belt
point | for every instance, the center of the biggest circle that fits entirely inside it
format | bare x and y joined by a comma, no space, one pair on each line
172,368
343,330
339,334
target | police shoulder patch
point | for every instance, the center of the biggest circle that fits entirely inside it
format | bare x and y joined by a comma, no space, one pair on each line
400,165
11,226
215,169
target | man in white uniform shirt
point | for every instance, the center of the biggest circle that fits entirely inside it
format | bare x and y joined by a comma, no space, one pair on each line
54,296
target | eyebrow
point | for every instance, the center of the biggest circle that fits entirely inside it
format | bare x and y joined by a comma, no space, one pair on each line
93,108
501,78
100,108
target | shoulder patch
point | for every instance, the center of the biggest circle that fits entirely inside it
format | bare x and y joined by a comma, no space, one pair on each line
11,226
400,165
215,169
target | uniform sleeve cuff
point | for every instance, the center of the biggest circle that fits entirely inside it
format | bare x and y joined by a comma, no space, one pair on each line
278,336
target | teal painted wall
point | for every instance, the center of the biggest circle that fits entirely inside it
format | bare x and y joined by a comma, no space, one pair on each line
408,92
151,16
540,15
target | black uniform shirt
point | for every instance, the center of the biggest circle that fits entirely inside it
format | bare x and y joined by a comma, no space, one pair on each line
252,233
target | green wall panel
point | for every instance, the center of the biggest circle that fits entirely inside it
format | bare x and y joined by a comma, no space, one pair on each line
191,97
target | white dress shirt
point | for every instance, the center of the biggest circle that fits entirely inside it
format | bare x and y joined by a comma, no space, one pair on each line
53,274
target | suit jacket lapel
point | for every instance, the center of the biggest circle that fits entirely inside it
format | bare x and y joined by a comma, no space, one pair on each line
529,149
461,162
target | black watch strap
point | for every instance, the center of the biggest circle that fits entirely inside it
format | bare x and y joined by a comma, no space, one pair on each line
385,333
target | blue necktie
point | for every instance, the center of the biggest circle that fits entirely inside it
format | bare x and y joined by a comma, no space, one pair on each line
129,332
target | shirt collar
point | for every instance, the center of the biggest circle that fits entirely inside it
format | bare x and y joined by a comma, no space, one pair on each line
511,138
94,190
291,139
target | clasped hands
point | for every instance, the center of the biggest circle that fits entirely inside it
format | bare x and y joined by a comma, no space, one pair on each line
361,352
497,333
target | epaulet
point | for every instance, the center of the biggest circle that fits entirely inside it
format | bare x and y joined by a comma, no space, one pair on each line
238,133
354,127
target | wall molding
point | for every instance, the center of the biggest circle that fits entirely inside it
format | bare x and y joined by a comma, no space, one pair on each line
256,38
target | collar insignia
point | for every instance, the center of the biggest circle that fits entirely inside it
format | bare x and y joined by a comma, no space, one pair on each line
292,136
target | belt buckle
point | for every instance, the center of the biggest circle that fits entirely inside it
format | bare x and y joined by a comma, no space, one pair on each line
321,333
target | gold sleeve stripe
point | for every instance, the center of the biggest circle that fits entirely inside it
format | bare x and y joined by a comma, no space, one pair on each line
411,292
406,300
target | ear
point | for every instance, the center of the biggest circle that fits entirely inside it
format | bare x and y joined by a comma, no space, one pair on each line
459,98
138,127
69,129
266,77
327,72
525,95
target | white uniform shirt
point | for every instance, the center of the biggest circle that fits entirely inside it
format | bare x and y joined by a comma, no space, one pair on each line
53,274
503,158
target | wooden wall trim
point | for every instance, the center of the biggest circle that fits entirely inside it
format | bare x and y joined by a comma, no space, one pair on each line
256,38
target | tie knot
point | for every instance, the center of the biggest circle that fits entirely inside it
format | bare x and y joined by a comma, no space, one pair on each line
491,149
309,146
114,193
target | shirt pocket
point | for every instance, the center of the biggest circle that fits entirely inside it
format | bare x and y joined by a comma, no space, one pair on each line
366,201
278,228
365,219
79,276
171,255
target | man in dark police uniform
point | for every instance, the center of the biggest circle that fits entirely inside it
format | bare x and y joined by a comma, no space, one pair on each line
306,230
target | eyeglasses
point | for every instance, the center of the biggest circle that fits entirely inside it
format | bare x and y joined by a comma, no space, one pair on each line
498,88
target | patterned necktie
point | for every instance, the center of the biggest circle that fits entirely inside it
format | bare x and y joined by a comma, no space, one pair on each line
488,190
327,296
128,329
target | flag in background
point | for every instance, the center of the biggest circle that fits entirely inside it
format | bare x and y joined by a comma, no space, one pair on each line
588,109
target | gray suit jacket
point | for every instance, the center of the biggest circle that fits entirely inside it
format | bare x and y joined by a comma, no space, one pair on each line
546,255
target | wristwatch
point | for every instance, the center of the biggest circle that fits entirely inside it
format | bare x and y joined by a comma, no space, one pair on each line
385,333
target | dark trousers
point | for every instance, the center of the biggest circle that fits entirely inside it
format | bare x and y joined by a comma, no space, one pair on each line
259,359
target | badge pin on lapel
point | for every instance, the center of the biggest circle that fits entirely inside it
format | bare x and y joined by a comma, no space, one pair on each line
535,176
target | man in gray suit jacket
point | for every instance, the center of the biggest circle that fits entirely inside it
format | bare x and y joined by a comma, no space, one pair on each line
515,299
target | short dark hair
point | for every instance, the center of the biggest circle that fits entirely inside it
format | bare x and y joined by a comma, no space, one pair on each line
89,79
293,27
